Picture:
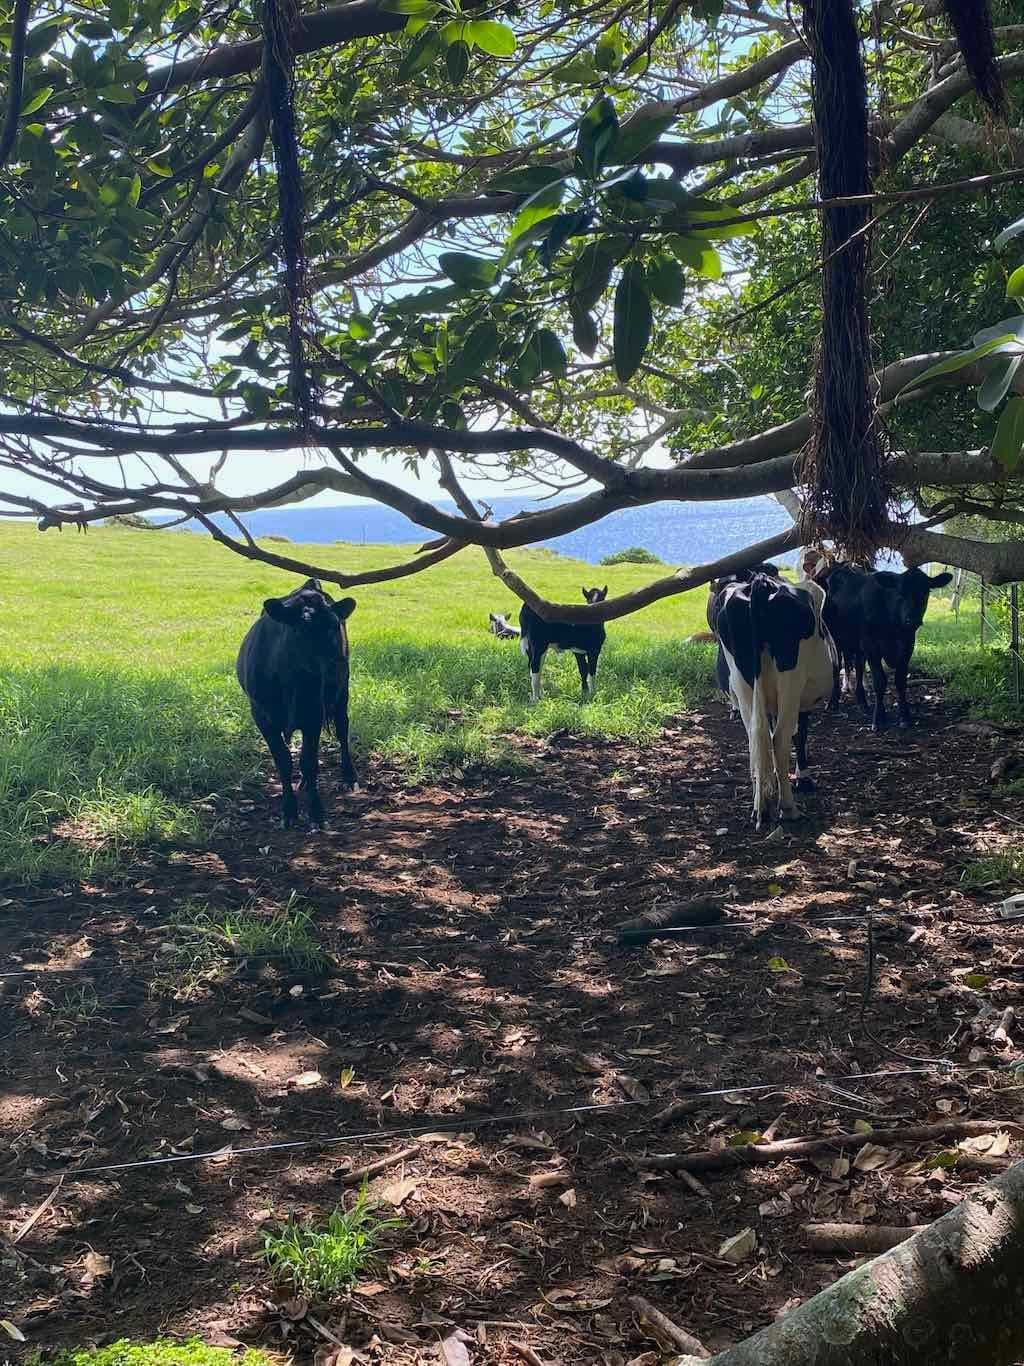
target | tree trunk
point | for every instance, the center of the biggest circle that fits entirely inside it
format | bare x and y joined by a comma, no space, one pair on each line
954,1293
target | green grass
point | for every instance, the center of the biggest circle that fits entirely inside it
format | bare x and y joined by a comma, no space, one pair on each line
319,1260
163,1352
995,869
122,725
287,936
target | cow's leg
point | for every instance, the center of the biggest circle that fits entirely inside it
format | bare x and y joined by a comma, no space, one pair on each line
900,676
760,755
581,664
837,678
803,783
348,769
782,743
309,767
859,693
536,659
879,680
282,757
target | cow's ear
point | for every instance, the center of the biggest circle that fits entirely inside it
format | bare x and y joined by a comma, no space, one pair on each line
279,610
344,608
939,580
604,593
313,584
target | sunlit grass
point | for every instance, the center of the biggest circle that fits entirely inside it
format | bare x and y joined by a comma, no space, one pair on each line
122,725
320,1259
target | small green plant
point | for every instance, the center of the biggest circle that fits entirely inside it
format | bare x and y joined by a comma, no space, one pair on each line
1006,866
78,1005
287,936
163,1352
634,554
318,1260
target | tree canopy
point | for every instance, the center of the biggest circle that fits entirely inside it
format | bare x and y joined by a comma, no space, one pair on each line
530,238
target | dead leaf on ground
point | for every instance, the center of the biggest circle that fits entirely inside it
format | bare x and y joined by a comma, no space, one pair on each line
302,1081
739,1247
11,1330
871,1157
634,1089
453,1348
97,1266
568,1198
235,1124
397,1192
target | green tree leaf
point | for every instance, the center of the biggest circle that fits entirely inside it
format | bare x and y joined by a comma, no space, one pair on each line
696,253
997,384
637,134
36,101
1015,284
1008,441
526,180
632,330
598,131
584,330
497,40
360,327
550,352
471,272
425,49
665,281
951,364
456,60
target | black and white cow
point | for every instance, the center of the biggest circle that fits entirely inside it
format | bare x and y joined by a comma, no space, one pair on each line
582,639
294,668
779,663
875,616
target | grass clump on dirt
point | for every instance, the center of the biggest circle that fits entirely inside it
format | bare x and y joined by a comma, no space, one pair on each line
994,869
162,1352
319,1260
287,936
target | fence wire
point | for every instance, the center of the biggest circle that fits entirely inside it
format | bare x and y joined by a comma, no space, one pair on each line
998,619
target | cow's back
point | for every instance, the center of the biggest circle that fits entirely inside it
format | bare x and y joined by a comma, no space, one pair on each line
283,689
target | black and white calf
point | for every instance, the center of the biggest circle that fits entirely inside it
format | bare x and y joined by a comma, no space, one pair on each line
580,638
294,668
501,627
779,662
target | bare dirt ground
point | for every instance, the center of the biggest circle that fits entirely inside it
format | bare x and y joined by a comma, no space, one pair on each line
478,977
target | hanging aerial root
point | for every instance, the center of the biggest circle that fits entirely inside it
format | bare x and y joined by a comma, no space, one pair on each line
972,24
279,20
847,497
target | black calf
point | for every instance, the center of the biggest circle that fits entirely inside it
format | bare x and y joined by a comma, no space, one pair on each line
581,638
293,666
875,616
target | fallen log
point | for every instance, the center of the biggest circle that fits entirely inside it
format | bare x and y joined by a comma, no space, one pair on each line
952,1295
763,1154
855,1238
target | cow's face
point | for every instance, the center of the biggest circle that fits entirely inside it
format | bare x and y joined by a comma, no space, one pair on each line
914,587
593,595
313,613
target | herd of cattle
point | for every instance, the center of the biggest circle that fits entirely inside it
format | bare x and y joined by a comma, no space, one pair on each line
783,648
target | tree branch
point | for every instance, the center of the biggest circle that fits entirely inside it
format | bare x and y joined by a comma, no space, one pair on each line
16,82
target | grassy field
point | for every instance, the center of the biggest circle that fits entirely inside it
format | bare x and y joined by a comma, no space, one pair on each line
121,721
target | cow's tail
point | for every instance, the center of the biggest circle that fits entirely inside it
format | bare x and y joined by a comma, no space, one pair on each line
762,756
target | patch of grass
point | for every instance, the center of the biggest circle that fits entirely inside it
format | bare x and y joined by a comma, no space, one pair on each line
634,554
162,1352
995,869
319,1260
287,936
78,1005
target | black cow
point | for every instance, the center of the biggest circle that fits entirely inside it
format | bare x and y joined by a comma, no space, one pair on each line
875,616
778,664
293,667
583,639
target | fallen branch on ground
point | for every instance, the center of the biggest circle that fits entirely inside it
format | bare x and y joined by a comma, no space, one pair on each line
354,1177
664,1330
641,928
763,1154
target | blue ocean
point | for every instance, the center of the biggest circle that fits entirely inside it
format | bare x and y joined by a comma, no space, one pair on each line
678,533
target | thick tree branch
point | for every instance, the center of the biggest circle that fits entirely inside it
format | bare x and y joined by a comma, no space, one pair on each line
16,79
